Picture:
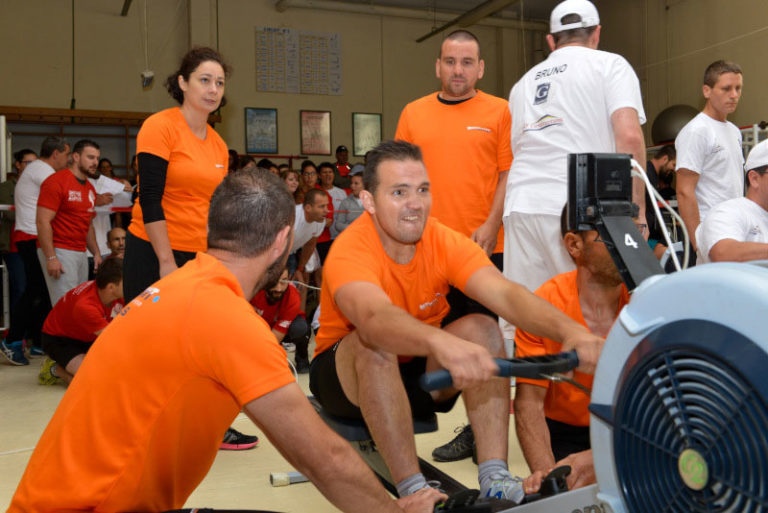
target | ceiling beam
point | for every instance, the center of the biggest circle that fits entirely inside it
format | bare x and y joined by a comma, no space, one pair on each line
403,12
126,7
471,17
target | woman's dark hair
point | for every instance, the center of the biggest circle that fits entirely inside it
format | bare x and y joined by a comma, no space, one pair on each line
265,164
306,164
189,63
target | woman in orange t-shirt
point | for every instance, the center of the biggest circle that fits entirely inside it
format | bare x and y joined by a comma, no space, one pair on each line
181,161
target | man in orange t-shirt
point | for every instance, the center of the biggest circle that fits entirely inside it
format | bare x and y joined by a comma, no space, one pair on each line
382,303
552,418
141,425
464,134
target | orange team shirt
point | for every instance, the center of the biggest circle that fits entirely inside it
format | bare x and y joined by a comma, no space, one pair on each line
195,168
443,257
563,402
465,147
141,424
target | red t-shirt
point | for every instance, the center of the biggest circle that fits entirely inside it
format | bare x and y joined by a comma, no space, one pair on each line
79,314
279,315
343,169
73,203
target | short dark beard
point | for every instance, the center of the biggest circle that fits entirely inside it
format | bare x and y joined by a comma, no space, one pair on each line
273,272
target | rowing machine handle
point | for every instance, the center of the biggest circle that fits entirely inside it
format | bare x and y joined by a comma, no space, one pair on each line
531,367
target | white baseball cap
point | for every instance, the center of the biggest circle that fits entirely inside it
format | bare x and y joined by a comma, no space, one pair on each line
584,8
758,157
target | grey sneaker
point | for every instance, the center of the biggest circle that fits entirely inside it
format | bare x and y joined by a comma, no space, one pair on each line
505,486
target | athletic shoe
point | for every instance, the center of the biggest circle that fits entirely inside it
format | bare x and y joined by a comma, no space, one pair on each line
34,352
236,441
505,486
14,352
457,449
46,376
302,365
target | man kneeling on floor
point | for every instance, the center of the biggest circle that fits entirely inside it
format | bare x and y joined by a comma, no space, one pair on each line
77,319
552,419
382,301
279,304
139,427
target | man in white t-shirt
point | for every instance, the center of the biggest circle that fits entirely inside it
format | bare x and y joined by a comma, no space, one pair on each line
309,224
736,230
34,304
579,100
710,162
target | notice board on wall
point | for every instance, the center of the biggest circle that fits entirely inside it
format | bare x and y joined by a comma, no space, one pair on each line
297,61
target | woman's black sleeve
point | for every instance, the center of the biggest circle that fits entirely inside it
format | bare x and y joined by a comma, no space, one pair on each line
152,174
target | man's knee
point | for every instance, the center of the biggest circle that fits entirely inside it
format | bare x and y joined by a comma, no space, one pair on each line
298,330
480,329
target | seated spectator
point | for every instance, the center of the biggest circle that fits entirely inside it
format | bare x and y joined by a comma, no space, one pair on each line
246,162
342,168
106,168
335,195
269,166
308,178
352,206
737,229
291,179
116,242
234,157
666,184
77,319
552,419
280,305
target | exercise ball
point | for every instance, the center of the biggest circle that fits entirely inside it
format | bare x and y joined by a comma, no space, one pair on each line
670,121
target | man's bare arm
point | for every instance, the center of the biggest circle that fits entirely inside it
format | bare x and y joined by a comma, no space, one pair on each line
385,326
45,239
488,232
629,139
686,201
306,253
730,250
531,313
279,336
287,419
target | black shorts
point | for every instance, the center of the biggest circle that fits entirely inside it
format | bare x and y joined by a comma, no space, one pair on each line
566,439
63,349
462,305
325,386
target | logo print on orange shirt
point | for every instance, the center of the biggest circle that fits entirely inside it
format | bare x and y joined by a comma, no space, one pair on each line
75,196
429,304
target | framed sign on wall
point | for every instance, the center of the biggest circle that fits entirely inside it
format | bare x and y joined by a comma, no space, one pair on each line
315,132
260,130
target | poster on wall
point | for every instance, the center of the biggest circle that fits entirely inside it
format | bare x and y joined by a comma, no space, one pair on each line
366,132
315,132
298,61
260,130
